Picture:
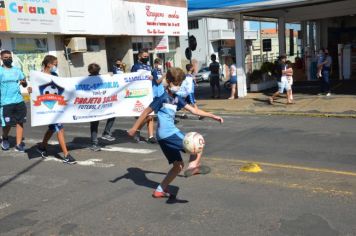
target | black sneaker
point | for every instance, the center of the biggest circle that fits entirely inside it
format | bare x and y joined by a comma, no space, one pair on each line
69,160
108,137
42,151
20,148
138,138
152,140
95,148
5,145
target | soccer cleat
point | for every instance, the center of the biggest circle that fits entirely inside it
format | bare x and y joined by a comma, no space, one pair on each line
69,160
42,151
108,137
157,194
5,145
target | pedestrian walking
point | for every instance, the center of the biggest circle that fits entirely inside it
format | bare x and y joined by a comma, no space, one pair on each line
94,70
13,109
326,68
49,66
233,78
214,76
282,72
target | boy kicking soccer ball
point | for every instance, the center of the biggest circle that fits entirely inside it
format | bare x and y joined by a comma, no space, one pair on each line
169,137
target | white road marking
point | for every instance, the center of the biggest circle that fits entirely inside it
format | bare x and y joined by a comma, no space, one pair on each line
128,150
89,162
4,205
109,148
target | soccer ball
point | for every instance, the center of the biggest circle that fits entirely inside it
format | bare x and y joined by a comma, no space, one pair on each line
51,89
193,143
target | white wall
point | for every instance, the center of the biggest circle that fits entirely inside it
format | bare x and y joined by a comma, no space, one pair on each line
86,17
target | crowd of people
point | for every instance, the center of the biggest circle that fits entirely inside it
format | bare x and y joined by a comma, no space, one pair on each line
172,91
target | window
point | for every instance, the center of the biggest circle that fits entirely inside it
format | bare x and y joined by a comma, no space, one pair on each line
193,24
93,45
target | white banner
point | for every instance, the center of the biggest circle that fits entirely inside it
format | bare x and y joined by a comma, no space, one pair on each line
83,99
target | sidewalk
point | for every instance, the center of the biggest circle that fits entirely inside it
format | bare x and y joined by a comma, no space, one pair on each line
342,103
308,105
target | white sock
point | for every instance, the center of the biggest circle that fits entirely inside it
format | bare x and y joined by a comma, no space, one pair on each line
159,188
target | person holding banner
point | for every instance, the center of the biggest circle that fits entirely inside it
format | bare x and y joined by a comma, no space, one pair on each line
157,85
13,109
141,64
49,65
94,70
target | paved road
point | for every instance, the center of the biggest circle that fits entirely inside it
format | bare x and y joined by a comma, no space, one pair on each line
307,186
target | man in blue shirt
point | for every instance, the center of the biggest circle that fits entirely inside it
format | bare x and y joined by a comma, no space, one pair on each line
141,64
12,106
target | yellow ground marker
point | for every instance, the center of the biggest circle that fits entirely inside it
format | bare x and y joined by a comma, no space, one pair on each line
251,168
285,166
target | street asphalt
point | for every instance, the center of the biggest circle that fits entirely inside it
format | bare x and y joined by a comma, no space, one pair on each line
307,185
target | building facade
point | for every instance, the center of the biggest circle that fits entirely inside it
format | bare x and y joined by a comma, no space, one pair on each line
93,31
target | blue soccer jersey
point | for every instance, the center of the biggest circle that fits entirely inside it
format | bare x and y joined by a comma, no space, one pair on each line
9,85
140,66
166,107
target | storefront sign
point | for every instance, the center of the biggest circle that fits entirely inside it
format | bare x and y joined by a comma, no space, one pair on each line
90,98
151,19
29,16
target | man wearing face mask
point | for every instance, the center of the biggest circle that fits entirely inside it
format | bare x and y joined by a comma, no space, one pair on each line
142,64
12,106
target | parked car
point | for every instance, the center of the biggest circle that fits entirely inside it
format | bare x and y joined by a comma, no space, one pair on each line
204,74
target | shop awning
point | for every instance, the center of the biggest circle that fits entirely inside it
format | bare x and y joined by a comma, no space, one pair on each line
228,8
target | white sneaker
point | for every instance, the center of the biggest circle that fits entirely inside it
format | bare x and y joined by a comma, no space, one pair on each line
328,94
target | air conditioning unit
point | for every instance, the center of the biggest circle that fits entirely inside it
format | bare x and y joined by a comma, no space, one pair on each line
77,44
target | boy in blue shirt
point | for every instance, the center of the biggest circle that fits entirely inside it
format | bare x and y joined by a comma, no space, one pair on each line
170,138
13,109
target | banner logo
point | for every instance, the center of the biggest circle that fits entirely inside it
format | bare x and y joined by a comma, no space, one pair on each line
51,94
139,107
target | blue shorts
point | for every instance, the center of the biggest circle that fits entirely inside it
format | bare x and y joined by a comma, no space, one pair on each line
55,127
233,79
172,146
190,99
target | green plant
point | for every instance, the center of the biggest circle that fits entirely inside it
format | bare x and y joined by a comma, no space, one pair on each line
256,76
267,67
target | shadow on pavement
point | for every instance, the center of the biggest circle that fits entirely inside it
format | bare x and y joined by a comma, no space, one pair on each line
27,169
138,176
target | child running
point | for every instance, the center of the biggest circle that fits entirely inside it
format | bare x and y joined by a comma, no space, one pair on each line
169,137
49,65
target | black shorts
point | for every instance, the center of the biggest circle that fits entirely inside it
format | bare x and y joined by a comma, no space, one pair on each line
214,80
13,114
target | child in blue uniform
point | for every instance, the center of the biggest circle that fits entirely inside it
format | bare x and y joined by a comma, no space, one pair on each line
169,137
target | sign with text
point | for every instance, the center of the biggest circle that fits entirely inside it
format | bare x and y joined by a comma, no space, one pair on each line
90,98
29,16
150,19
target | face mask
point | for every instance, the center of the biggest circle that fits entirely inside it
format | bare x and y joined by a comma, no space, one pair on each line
54,69
144,60
7,62
159,67
174,89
